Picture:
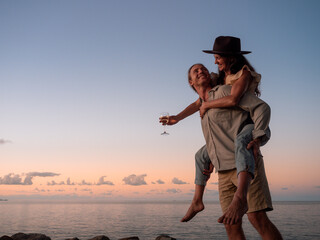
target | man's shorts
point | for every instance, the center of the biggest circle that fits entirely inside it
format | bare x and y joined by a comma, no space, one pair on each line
259,197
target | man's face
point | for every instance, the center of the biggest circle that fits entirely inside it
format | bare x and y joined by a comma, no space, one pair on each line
221,62
199,75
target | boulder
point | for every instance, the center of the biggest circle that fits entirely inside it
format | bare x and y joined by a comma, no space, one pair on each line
165,237
30,236
130,238
5,237
101,237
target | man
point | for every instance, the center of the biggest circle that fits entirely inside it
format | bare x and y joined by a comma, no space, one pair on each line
220,127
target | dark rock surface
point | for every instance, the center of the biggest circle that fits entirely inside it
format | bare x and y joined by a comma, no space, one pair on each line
165,237
39,236
5,237
30,236
129,238
101,237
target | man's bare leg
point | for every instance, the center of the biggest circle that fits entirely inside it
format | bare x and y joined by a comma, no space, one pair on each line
196,205
235,231
239,204
266,229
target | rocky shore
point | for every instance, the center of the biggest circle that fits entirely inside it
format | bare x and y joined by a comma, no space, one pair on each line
39,236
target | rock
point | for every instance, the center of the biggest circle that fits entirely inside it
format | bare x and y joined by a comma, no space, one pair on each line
5,237
101,237
130,238
30,236
165,237
75,238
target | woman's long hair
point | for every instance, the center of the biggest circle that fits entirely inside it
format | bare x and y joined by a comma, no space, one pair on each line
235,63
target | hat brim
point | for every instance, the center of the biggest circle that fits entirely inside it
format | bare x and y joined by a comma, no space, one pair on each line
228,53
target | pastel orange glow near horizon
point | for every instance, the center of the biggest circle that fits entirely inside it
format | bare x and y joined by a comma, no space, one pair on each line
83,85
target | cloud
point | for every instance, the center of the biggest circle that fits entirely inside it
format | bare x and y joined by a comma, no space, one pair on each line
31,175
135,180
160,181
103,182
41,190
178,181
11,179
69,182
317,186
15,179
284,188
3,141
53,183
87,190
108,193
173,190
60,190
84,183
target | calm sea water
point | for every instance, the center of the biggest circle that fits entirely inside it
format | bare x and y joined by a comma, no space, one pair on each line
295,220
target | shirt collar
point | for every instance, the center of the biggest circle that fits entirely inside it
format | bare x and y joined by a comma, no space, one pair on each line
215,88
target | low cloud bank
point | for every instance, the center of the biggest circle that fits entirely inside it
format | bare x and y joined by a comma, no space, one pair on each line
16,179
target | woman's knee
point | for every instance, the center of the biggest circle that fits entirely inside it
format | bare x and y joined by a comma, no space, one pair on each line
202,156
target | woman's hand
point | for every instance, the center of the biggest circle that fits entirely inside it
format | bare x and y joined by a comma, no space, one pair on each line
255,146
208,172
203,109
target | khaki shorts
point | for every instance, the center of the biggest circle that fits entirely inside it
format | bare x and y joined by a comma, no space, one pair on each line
259,197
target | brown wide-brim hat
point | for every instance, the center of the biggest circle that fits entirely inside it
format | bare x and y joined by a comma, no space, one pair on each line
226,45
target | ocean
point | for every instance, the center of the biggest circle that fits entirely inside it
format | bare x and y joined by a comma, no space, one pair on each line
295,220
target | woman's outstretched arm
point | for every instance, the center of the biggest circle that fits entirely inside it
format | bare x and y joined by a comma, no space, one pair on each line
191,109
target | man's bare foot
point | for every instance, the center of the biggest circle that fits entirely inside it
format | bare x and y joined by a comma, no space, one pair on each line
236,210
194,208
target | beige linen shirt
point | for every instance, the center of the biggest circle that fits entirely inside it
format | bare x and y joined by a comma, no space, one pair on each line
220,126
255,77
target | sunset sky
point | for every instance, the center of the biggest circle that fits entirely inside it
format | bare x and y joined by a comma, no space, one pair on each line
83,84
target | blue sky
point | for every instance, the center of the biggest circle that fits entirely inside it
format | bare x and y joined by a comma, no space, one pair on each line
83,83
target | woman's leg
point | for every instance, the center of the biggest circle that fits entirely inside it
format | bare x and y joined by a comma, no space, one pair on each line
202,162
244,157
245,164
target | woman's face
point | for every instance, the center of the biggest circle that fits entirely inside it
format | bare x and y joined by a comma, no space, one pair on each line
221,62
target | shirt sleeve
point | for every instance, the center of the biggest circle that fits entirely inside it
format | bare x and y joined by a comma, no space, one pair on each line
260,113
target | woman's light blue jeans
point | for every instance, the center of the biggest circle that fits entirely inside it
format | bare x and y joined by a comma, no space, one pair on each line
243,157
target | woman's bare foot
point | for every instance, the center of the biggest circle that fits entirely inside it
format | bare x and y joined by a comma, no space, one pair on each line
236,210
194,208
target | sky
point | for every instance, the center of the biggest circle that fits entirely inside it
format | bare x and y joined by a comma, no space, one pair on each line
83,84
